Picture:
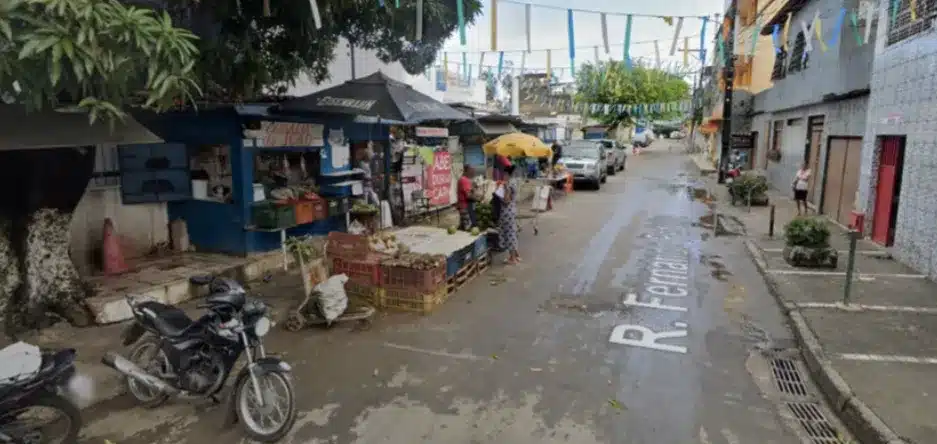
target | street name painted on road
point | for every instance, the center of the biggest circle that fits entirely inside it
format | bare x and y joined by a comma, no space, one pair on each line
669,273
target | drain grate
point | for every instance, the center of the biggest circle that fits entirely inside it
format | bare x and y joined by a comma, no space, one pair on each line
814,422
787,377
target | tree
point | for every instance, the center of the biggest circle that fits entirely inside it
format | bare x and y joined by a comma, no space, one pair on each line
614,83
97,55
249,50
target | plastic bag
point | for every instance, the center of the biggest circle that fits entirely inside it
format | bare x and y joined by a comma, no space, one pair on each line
333,301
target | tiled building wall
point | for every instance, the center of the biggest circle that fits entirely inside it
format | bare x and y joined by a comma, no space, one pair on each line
903,101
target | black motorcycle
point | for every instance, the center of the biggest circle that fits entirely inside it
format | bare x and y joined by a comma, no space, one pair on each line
35,388
174,355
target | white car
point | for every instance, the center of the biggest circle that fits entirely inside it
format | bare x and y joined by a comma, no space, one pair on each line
586,160
643,138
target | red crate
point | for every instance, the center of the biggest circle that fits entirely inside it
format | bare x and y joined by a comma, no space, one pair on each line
410,278
348,246
366,271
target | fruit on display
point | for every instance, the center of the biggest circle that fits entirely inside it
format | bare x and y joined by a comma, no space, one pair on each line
483,217
416,261
386,243
360,207
475,231
452,230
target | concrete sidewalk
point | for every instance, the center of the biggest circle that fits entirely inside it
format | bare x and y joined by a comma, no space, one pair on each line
875,359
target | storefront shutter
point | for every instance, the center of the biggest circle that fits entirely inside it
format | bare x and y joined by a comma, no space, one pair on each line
154,173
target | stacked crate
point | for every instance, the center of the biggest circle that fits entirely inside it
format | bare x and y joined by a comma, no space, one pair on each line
409,289
349,254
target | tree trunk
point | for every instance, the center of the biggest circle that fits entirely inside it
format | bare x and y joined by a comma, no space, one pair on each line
39,190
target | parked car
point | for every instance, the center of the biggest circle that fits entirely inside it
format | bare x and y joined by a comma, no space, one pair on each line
615,152
586,160
643,137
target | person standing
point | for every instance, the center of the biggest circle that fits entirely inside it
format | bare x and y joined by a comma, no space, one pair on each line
800,185
507,233
464,199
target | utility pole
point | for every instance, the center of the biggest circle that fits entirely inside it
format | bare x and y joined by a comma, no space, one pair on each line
351,53
729,76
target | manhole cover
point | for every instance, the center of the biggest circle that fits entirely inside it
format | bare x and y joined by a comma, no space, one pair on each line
811,417
787,377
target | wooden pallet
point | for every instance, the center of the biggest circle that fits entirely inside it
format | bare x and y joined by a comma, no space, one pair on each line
458,280
482,263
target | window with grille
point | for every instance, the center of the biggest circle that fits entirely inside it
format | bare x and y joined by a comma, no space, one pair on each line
106,167
798,54
905,23
779,71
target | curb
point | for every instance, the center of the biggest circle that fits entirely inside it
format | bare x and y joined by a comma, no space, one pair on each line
861,421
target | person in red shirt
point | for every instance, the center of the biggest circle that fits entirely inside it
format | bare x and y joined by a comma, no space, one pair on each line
465,202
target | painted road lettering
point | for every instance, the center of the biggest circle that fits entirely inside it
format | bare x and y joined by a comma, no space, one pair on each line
669,273
647,338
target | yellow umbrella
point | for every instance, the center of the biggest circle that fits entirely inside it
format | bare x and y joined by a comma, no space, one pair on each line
517,145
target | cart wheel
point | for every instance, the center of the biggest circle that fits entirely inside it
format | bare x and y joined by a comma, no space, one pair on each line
295,322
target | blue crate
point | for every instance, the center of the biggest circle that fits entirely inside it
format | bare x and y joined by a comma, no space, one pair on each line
481,246
459,259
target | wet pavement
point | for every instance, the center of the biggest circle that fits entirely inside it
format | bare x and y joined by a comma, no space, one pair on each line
626,324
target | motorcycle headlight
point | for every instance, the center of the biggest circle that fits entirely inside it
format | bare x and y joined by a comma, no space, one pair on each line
262,326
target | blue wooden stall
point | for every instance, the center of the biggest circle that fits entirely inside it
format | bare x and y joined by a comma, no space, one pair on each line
217,226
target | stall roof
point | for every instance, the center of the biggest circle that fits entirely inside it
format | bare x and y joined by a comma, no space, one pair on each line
496,128
20,129
500,118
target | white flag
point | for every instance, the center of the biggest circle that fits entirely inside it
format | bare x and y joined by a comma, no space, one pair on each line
676,36
605,33
527,25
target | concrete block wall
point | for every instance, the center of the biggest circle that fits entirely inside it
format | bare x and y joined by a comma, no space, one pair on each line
903,102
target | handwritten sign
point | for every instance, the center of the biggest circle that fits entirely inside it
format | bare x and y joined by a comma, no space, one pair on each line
439,179
277,134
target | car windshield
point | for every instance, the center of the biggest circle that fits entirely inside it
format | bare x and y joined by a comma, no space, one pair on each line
608,144
589,151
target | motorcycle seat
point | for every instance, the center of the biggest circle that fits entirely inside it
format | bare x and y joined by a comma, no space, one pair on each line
166,319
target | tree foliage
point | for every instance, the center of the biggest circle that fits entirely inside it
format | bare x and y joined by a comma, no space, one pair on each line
100,55
614,83
249,50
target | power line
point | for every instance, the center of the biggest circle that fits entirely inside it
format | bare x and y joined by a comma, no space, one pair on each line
566,48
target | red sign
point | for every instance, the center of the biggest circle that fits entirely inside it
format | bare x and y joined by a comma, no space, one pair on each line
439,179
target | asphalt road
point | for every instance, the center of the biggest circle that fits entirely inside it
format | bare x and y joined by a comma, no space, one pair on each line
626,324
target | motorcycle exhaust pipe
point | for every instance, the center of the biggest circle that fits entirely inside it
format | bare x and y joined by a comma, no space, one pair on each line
129,369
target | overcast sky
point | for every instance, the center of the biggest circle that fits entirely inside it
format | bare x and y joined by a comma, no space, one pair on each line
549,31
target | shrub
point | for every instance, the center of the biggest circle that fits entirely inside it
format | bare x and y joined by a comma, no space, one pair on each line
753,183
809,232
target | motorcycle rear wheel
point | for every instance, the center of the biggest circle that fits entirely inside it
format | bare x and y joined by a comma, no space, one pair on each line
147,396
48,400
245,392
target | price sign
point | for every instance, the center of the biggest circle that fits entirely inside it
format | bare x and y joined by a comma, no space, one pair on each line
439,179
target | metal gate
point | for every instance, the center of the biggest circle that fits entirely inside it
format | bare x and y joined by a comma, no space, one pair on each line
841,178
887,189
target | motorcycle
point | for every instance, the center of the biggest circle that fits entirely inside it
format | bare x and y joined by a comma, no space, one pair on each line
35,379
174,355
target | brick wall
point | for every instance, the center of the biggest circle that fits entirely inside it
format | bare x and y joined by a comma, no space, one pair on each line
903,101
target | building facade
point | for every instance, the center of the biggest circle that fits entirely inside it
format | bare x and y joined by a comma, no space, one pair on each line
815,112
898,179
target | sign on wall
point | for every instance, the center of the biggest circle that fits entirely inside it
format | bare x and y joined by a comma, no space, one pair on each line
279,134
426,131
439,179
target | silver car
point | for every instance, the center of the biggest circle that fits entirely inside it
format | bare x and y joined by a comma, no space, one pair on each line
615,152
586,160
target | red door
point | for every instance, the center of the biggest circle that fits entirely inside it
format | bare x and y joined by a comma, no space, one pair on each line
886,190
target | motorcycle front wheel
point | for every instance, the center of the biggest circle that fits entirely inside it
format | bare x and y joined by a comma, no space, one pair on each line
273,418
26,425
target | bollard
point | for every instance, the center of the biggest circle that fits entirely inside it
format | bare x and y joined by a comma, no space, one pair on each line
850,264
771,222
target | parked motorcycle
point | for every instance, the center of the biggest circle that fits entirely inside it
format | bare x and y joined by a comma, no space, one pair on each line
36,388
174,355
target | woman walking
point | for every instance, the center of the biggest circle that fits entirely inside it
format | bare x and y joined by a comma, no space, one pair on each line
508,221
801,183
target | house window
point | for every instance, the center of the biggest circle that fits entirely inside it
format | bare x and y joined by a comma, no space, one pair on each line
902,27
743,72
799,54
779,71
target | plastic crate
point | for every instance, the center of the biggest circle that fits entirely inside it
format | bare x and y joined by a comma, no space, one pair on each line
365,271
338,206
349,246
271,216
413,300
304,213
459,259
371,294
411,278
481,246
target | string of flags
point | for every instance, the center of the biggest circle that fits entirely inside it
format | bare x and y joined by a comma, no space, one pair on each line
639,109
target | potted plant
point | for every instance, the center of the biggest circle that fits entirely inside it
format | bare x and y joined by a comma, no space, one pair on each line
808,244
750,184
